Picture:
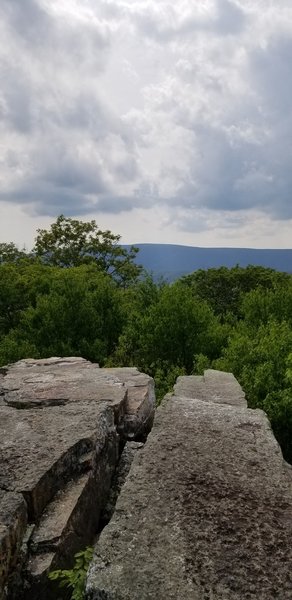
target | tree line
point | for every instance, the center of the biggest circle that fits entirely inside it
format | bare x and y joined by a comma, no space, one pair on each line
78,292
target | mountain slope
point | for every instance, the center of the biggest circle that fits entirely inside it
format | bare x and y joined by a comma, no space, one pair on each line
172,261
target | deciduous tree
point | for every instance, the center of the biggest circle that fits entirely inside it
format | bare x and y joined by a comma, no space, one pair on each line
70,243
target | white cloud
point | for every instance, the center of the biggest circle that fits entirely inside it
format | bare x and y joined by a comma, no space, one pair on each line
124,108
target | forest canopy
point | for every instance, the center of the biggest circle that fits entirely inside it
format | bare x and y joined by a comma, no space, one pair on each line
78,292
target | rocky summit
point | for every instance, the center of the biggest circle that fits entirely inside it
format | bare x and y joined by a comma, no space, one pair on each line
206,510
201,510
63,422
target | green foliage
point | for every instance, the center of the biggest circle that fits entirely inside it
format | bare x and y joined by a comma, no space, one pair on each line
12,297
71,243
260,305
20,286
9,253
78,314
223,288
75,578
258,358
289,369
163,335
165,376
201,363
13,348
238,320
174,328
261,360
278,406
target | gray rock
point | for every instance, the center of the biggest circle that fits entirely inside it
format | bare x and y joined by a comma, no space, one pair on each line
213,386
140,402
119,478
61,422
205,512
61,381
13,523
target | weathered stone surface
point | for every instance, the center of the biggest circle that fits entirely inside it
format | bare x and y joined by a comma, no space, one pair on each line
206,510
119,478
13,522
56,382
213,386
60,418
61,421
140,401
42,449
56,518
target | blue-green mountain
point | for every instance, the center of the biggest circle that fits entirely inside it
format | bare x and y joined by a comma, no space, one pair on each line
172,261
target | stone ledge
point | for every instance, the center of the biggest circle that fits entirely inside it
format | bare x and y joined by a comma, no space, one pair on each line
61,422
205,513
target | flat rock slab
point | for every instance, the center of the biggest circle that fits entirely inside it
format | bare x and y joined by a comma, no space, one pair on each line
213,386
205,513
53,382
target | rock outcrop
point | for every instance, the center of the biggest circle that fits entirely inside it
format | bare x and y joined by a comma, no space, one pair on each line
62,422
206,510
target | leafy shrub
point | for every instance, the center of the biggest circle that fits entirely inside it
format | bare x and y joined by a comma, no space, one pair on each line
75,578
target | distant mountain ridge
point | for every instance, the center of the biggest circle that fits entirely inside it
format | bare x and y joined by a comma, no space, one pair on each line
173,261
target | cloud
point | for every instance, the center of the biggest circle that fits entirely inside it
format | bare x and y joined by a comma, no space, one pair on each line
231,19
166,22
65,150
114,107
226,114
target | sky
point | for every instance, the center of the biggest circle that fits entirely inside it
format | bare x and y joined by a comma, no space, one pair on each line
165,122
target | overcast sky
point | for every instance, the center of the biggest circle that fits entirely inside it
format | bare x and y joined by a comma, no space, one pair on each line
165,121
